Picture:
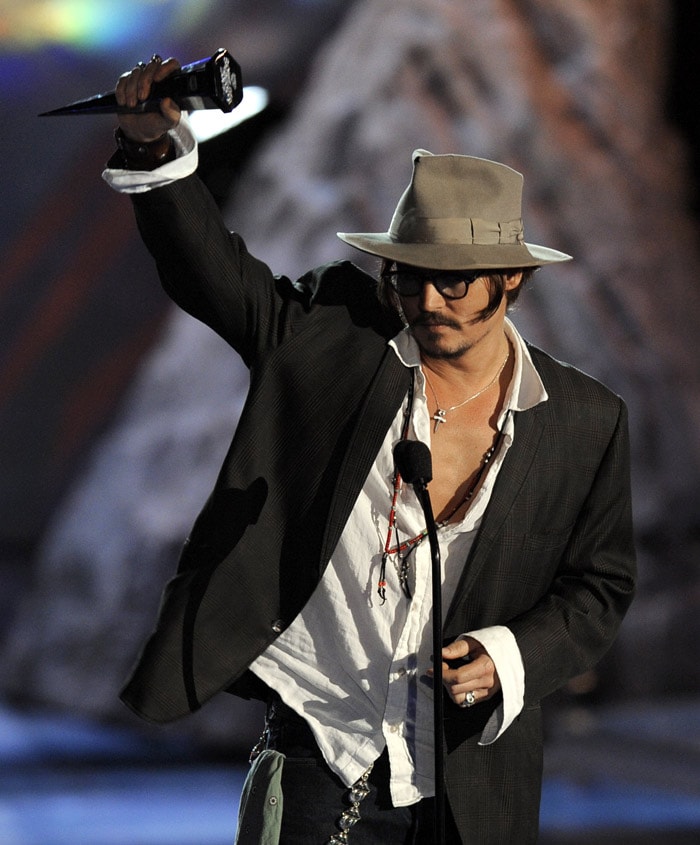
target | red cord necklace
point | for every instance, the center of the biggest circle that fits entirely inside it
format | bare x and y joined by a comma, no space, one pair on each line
404,548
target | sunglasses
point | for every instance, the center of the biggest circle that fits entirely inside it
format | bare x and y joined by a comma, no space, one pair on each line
450,285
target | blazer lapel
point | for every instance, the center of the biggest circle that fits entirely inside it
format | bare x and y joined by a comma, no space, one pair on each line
529,426
381,404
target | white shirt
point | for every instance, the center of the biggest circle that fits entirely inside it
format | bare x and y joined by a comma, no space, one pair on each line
353,667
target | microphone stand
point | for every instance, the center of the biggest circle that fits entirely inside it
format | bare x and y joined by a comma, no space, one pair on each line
421,490
414,463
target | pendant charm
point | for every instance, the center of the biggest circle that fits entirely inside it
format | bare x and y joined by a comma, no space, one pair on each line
439,416
404,572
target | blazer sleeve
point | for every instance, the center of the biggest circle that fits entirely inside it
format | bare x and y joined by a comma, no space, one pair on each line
575,622
208,270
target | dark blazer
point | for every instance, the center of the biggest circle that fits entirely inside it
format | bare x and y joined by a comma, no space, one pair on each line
553,559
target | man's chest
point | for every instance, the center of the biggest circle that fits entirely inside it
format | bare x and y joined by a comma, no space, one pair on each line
461,449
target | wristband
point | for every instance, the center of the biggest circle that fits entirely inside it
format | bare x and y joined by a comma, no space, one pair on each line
144,155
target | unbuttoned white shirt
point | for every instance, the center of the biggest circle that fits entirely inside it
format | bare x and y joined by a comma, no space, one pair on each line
352,666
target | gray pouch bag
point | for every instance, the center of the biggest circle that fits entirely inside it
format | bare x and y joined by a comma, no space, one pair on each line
260,809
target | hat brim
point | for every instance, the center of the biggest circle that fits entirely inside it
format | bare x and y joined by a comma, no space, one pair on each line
448,256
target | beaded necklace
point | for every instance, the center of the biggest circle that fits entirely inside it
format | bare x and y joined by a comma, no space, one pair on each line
407,546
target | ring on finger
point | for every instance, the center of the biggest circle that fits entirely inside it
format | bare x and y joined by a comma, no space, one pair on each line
156,58
469,699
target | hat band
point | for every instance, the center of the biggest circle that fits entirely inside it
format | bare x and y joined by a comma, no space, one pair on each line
457,230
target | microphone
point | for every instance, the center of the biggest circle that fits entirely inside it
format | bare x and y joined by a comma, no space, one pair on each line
414,462
213,83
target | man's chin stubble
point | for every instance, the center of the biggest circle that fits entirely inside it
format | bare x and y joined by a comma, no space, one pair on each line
432,348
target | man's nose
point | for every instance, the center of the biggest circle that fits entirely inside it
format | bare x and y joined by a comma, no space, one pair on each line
430,297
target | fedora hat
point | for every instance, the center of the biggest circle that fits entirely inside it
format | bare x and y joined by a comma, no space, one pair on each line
458,213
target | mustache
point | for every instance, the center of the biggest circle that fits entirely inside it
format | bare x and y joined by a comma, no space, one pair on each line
428,320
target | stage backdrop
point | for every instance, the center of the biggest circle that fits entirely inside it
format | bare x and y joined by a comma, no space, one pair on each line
108,467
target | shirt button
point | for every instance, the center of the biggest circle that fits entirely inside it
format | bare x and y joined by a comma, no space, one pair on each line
394,729
278,626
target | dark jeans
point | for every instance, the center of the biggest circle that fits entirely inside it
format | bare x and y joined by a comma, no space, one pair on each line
314,797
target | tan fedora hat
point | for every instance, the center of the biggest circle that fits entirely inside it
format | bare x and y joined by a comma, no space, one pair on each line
458,213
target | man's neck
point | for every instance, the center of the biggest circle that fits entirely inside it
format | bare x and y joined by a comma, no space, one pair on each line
473,367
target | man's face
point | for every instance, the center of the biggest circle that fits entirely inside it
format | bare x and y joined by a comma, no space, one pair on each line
444,326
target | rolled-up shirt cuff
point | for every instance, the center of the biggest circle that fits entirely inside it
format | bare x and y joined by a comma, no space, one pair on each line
503,649
184,164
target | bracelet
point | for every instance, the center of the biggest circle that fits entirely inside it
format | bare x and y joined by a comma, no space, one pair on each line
144,155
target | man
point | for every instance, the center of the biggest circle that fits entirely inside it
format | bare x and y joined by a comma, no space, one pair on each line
305,580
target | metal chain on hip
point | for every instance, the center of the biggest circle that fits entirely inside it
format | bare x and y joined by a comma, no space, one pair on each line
350,817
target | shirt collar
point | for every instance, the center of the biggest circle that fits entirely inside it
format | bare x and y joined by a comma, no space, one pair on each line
526,388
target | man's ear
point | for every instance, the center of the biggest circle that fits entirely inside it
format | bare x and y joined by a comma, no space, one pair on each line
513,280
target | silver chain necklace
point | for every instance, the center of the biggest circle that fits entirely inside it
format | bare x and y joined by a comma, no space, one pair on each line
440,415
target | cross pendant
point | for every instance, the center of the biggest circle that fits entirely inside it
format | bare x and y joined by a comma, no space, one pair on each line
439,416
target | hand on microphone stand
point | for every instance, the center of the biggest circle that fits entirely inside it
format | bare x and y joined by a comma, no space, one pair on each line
468,672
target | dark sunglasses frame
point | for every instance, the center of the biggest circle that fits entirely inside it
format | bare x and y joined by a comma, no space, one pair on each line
445,282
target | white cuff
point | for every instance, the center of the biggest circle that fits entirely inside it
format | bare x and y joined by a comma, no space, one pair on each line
139,181
502,648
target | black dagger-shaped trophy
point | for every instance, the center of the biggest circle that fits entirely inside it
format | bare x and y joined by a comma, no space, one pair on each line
213,83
